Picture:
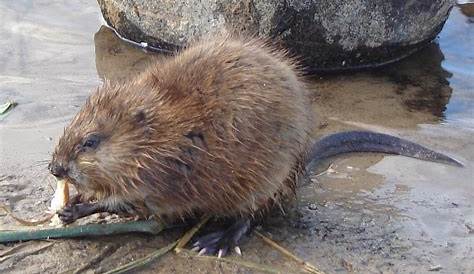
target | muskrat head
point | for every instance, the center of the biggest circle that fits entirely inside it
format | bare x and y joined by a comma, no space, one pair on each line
103,142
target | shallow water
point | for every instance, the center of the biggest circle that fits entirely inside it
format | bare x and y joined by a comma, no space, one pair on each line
368,213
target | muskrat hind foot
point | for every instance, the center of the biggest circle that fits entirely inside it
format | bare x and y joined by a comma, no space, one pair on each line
221,242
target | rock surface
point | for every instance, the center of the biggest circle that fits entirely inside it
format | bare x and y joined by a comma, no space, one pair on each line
328,34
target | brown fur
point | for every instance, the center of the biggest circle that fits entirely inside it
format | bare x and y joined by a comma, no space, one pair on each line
222,128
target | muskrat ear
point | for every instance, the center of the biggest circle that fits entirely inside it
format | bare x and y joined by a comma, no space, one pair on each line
141,119
140,116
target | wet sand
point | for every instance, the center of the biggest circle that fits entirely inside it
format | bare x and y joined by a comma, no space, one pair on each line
367,214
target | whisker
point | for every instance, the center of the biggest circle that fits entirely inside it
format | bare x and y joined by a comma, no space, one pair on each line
43,161
38,165
38,169
43,179
48,180
50,183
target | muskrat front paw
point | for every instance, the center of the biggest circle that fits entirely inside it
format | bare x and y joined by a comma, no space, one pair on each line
69,214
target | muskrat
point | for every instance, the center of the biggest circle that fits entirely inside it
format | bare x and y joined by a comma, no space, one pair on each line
222,128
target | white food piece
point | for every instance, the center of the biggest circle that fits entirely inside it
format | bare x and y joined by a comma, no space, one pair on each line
60,199
61,196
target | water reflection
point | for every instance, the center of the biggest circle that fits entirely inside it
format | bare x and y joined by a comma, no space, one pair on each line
117,60
457,43
422,80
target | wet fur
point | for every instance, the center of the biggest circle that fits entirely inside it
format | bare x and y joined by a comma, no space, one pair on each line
222,128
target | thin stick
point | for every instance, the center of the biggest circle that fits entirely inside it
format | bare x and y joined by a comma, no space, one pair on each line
4,108
250,265
143,261
23,221
13,249
108,250
19,256
307,266
325,171
150,226
188,235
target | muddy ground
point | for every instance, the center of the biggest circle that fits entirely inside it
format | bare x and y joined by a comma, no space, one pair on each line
367,214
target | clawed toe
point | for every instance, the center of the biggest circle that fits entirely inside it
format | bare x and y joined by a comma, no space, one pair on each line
66,215
221,242
238,251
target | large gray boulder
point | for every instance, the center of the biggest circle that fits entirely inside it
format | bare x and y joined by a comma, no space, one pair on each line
327,34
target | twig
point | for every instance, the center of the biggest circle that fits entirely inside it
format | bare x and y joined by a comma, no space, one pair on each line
188,235
307,266
13,249
330,167
22,255
143,261
150,226
23,221
7,106
106,252
251,265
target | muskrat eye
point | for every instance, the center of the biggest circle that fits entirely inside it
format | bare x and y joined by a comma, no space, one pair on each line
91,141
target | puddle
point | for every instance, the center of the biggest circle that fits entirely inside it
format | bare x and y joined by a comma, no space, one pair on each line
368,214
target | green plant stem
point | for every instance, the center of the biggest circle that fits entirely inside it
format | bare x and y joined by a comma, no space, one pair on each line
150,226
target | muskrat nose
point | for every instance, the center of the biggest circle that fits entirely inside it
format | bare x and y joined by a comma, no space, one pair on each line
57,170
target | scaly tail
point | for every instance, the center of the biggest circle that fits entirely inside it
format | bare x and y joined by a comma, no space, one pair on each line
366,141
